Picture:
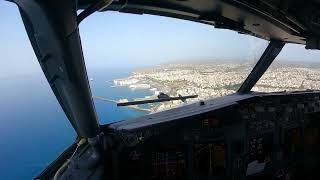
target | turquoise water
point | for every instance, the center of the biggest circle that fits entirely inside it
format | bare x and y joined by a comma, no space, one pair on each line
101,86
33,127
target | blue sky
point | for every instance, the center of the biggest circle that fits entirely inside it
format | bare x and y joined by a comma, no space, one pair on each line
112,39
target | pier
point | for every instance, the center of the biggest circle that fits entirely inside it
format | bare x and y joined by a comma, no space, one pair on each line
135,107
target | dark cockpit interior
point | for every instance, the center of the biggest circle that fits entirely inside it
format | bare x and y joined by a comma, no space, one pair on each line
246,135
258,137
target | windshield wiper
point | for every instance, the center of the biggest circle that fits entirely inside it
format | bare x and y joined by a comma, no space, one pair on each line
161,98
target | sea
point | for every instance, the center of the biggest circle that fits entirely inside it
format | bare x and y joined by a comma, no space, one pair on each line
33,128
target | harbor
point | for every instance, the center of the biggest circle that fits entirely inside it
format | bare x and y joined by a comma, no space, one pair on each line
135,107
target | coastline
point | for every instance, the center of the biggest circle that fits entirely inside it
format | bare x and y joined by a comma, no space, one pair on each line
215,80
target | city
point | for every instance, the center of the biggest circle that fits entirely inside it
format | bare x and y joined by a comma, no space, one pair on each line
209,80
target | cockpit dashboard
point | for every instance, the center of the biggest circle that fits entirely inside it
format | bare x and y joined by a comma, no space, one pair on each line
253,136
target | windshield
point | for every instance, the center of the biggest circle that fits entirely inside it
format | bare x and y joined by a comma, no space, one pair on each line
295,69
134,57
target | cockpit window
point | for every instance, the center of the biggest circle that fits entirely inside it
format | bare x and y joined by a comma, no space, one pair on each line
137,58
295,69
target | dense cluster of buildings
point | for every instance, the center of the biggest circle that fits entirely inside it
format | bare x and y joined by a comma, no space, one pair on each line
218,79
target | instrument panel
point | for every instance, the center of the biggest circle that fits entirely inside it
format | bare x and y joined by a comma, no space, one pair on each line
269,137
